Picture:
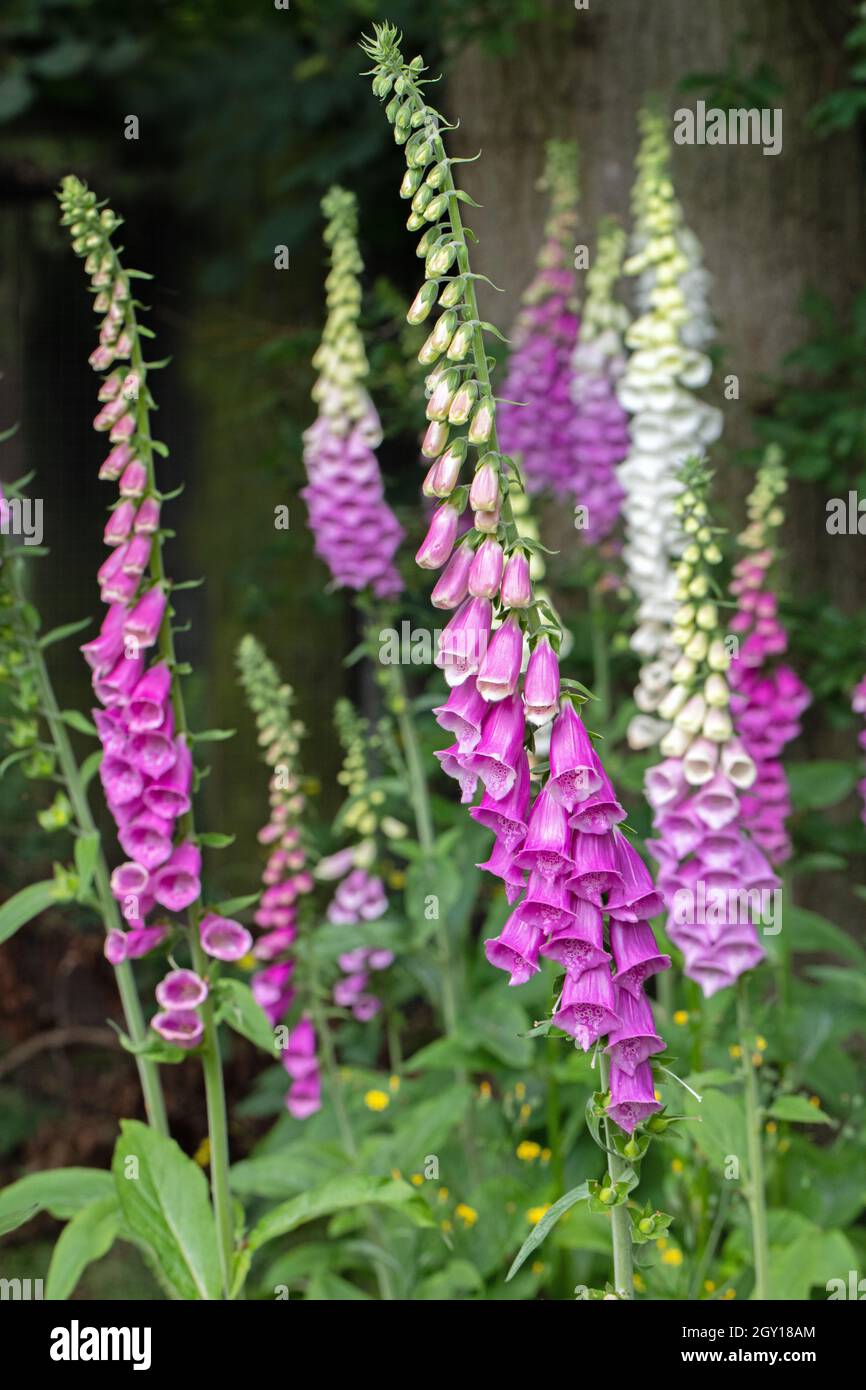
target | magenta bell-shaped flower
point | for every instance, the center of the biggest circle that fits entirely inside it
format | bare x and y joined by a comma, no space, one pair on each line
635,954
632,1096
102,652
541,686
147,840
548,903
601,810
183,1027
587,1006
114,688
634,1039
304,1097
516,591
171,795
178,882
224,938
502,865
181,989
439,541
456,764
515,949
500,669
507,817
299,1054
573,775
485,574
484,491
142,625
595,867
147,702
452,586
578,944
636,898
496,757
546,849
463,643
463,714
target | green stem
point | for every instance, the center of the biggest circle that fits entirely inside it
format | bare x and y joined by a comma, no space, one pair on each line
754,1138
209,1051
620,1222
148,1071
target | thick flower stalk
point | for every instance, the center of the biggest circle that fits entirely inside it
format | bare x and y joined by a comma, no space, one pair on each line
537,422
286,877
38,741
597,364
714,878
557,847
767,696
146,769
669,423
858,705
355,531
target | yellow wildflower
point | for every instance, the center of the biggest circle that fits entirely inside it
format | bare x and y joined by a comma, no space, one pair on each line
377,1100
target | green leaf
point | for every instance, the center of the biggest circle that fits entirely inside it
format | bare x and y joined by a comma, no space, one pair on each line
90,767
86,857
817,785
340,1194
808,1262
230,906
332,939
20,909
212,735
798,1110
76,720
89,1235
57,634
236,1006
215,839
164,1200
846,984
546,1225
60,1191
499,1022
155,1048
284,1172
16,1218
426,1128
807,931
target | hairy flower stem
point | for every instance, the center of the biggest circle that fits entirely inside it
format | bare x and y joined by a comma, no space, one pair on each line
754,1131
148,1071
210,1054
620,1223
479,351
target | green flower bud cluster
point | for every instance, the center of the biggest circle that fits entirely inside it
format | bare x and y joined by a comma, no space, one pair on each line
560,182
763,506
697,703
340,358
461,408
27,741
279,731
601,312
